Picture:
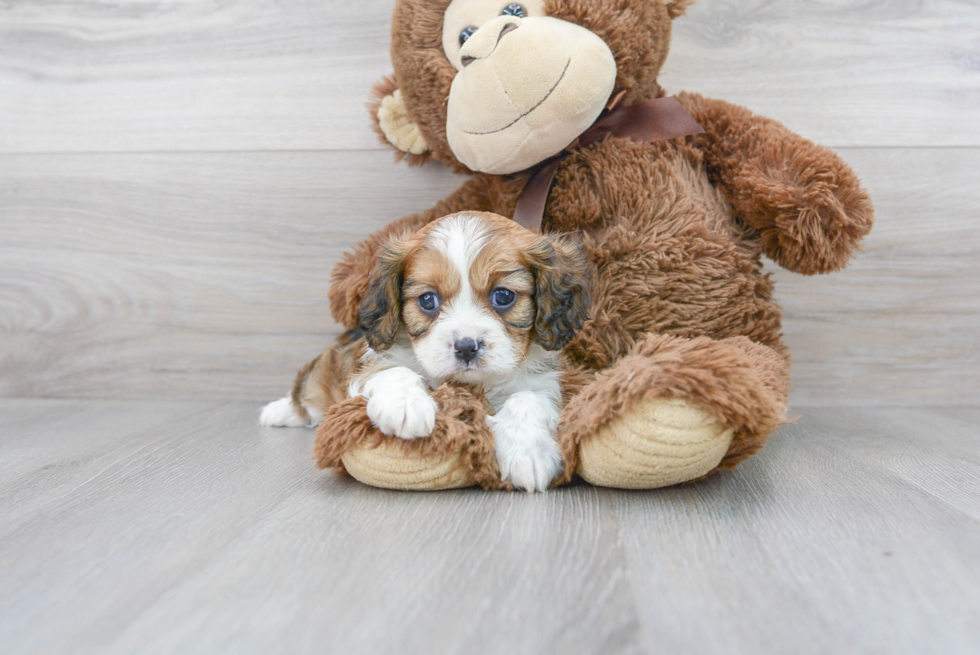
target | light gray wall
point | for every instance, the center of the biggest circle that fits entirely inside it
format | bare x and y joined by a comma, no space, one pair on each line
177,179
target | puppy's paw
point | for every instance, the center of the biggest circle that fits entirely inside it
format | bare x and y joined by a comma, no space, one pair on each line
408,413
527,453
282,413
531,467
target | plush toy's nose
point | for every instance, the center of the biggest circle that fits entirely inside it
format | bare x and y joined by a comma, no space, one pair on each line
466,349
484,41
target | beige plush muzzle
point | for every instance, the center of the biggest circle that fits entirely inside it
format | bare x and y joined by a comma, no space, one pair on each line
526,89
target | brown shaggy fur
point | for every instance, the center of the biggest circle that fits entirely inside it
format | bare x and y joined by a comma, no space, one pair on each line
676,230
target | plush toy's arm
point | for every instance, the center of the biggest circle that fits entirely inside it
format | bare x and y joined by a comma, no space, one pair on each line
349,278
806,203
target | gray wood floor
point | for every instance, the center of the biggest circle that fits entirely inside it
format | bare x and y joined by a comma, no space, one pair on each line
136,526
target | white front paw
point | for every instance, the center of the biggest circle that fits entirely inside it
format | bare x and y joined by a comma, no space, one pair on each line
531,466
406,413
524,432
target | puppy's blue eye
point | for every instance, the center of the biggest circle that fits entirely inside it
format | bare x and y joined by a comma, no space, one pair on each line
513,9
465,35
429,303
502,298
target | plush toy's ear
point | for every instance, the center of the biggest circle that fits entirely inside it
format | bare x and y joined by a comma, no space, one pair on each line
380,313
562,283
677,8
394,125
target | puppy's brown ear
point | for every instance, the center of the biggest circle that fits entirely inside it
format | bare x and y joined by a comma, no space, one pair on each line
676,8
380,313
562,282
394,125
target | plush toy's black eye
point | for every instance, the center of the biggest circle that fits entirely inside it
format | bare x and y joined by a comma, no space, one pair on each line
513,9
502,298
429,303
465,35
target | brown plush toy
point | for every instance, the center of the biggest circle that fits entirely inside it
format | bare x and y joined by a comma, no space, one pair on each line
554,108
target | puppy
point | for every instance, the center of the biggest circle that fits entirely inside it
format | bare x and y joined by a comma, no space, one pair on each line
473,298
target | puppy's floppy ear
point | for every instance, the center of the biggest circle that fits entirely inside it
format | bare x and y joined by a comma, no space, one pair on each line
562,281
381,306
394,125
676,8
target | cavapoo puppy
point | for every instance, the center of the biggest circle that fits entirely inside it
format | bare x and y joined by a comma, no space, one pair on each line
473,298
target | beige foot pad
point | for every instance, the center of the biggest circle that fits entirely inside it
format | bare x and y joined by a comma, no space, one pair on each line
393,467
657,444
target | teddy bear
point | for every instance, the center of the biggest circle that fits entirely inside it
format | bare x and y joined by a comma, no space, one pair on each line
553,110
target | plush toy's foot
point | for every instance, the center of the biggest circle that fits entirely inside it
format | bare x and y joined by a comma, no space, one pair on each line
674,410
658,443
459,452
390,466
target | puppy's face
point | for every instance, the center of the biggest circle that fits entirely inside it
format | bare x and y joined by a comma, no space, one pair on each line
473,292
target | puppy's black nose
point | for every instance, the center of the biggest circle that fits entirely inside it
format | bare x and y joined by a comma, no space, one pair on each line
466,349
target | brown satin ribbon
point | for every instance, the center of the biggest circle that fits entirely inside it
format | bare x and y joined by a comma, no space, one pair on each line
651,121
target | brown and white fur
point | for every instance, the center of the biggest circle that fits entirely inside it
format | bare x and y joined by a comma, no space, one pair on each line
472,298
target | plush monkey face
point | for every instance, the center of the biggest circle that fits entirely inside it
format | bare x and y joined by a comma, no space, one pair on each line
496,86
527,85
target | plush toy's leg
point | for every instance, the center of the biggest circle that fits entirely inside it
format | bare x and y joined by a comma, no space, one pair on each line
675,410
458,453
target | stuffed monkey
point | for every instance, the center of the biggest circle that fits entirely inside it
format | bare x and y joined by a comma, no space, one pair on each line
553,110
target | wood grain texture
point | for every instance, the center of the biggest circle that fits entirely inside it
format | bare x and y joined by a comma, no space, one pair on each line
875,73
836,536
108,76
183,527
204,275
